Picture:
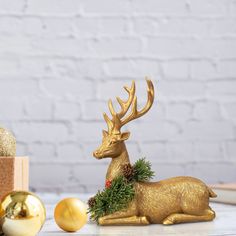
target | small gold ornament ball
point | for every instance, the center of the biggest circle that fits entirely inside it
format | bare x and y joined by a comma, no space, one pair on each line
21,214
70,214
7,143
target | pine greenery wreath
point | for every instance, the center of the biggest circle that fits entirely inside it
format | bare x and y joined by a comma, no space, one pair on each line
121,191
142,171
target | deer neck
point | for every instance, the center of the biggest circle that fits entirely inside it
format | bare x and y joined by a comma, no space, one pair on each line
115,166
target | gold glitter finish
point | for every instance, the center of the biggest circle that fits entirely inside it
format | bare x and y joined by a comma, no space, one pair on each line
21,214
175,200
7,143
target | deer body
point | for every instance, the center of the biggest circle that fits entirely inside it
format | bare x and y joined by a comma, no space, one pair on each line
175,200
184,195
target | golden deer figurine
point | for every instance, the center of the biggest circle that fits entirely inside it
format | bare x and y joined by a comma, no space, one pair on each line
174,200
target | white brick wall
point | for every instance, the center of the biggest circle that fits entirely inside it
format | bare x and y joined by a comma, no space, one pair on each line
60,61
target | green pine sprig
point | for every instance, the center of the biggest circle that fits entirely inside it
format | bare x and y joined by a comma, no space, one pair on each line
121,192
112,199
142,171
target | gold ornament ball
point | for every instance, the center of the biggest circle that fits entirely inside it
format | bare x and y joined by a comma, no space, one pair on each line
21,214
70,214
7,143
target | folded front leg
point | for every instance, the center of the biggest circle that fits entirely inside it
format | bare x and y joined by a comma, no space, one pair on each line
128,216
132,220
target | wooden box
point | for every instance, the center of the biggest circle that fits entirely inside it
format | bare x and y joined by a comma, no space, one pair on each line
14,174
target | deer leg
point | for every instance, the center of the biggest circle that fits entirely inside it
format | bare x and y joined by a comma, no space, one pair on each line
124,217
185,218
131,220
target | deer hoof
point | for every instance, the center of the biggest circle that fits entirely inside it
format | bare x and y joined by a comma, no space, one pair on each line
167,221
144,220
101,221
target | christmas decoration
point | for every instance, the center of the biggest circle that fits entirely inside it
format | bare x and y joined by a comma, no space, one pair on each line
70,214
108,183
14,174
120,191
128,171
91,202
135,200
21,214
7,143
13,170
142,171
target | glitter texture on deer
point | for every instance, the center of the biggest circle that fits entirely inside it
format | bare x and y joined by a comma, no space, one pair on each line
174,200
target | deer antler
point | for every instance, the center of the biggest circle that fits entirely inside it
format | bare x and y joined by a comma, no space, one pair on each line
115,124
135,113
124,105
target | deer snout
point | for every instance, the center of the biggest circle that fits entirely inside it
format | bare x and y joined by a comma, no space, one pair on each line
97,154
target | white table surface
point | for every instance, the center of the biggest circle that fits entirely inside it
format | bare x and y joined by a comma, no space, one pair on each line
224,224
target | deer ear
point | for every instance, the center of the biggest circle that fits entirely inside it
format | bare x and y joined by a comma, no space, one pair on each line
124,136
105,133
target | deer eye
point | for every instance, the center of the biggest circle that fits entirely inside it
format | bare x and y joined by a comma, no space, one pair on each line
110,143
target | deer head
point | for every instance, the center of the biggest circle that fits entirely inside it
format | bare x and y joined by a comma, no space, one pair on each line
113,139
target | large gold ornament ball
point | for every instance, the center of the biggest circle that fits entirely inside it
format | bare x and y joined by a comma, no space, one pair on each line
7,143
70,214
21,214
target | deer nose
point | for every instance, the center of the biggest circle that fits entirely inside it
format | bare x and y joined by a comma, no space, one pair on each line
95,153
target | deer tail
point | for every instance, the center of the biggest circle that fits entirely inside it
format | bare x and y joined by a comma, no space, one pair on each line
211,193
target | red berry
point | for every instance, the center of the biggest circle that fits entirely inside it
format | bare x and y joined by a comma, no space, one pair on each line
108,183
